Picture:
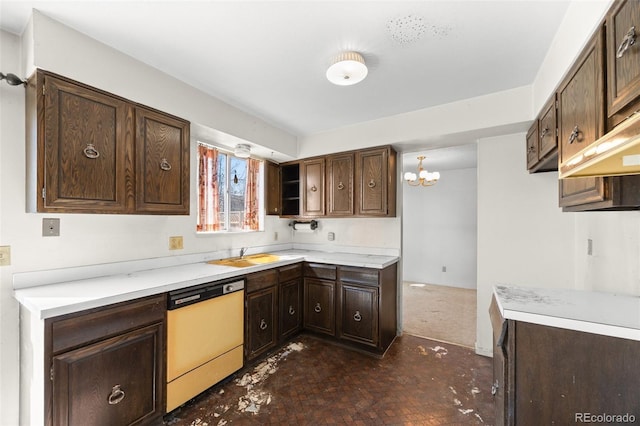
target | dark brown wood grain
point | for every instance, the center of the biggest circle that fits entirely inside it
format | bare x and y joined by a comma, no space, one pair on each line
272,188
261,328
312,178
375,182
340,175
261,280
319,306
358,317
532,145
290,312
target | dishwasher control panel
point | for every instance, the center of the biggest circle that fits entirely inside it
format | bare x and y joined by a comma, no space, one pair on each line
195,294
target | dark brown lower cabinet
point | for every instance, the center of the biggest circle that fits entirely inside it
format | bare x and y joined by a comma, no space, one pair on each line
290,308
107,365
319,306
549,375
359,314
261,322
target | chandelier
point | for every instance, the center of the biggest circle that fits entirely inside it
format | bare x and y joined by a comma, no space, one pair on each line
423,177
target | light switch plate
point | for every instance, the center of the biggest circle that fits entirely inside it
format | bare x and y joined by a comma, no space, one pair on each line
5,255
50,227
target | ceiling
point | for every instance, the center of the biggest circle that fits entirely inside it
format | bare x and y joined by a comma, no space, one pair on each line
269,58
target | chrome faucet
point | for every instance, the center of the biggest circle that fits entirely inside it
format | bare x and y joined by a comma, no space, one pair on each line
243,250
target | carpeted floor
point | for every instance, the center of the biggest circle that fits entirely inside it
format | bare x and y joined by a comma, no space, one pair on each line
312,382
442,313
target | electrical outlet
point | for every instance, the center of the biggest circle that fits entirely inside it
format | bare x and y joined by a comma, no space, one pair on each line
175,243
5,255
589,247
444,269
275,236
331,236
50,227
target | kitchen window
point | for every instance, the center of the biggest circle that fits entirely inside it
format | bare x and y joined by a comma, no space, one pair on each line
229,192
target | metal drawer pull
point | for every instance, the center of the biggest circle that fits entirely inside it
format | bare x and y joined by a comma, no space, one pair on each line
544,132
313,188
494,388
291,310
574,135
116,396
357,317
263,324
340,186
531,149
90,151
371,184
318,308
628,41
165,165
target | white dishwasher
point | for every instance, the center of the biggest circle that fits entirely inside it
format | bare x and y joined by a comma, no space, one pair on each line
205,333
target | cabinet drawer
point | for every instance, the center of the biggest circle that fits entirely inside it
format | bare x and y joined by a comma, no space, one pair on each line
320,270
261,280
359,275
290,272
78,329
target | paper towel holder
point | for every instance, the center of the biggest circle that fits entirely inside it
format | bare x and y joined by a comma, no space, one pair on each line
313,224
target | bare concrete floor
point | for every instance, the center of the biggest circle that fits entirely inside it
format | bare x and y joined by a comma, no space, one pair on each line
441,313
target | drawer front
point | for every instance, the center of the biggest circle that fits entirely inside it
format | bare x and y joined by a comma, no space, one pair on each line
261,280
364,276
320,270
78,329
290,272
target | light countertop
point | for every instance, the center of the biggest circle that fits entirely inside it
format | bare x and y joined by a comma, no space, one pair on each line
589,311
66,297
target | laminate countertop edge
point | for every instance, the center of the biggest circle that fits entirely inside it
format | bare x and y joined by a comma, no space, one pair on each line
51,300
601,313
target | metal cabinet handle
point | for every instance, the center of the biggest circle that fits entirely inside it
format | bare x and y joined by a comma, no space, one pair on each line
291,310
263,324
628,41
494,388
340,186
116,396
313,188
318,308
357,317
371,184
531,149
574,135
544,132
165,165
90,151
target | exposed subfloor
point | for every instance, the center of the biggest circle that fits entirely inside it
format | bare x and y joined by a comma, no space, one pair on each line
312,382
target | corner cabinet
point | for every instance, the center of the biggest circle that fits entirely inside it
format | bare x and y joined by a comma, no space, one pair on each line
90,151
107,365
319,298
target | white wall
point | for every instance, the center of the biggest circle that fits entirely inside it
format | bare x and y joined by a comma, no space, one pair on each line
440,228
523,236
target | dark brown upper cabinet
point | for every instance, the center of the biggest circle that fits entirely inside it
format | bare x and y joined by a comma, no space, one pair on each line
542,140
340,174
90,151
313,175
272,188
162,149
623,60
376,182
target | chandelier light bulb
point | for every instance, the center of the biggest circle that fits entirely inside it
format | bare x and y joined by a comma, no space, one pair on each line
423,177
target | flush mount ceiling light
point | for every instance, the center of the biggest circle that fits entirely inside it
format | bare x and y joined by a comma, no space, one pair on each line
423,177
347,69
242,150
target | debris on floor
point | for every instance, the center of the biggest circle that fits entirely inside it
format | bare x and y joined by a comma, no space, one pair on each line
256,397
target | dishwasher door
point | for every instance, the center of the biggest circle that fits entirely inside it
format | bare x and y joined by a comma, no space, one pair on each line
204,345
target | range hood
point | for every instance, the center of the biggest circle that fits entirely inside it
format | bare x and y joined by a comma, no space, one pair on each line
616,153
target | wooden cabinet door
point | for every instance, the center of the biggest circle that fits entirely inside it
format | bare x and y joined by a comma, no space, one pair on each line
532,145
581,121
85,148
547,137
340,174
290,308
261,322
113,382
359,313
162,163
272,188
319,306
623,58
375,182
313,187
